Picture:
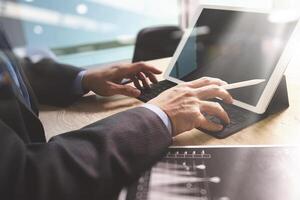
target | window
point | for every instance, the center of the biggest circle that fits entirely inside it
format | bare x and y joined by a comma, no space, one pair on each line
87,32
192,5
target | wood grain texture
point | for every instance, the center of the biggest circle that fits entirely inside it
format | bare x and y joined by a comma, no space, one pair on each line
281,128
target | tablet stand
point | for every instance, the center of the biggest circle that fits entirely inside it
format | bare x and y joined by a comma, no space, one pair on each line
280,100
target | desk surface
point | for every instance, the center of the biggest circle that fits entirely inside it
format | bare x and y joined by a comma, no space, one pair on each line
281,128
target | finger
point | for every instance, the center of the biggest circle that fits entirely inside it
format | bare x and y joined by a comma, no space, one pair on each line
152,77
144,80
208,125
214,91
215,109
136,82
126,90
149,68
142,67
204,81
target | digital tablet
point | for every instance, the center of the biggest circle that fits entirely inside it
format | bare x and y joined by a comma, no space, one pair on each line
237,44
222,173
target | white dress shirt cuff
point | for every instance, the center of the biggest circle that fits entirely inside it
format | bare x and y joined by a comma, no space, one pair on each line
77,85
162,115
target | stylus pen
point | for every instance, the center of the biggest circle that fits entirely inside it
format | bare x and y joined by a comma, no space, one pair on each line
243,84
226,87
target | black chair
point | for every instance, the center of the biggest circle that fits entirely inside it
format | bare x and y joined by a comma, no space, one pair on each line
156,42
4,45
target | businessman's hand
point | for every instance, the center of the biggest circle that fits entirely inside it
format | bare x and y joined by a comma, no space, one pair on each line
107,81
186,103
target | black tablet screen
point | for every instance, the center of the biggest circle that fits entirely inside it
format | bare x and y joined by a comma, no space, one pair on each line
234,46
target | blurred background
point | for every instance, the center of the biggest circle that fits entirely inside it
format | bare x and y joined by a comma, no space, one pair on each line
89,33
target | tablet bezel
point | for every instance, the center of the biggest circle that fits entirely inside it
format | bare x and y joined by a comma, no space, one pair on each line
276,76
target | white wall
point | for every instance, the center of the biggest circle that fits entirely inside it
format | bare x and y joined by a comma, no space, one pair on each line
191,5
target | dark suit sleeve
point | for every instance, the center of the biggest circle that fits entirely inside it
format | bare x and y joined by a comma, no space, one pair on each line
51,82
92,163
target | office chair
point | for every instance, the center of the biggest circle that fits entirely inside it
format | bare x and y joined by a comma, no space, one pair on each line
4,44
156,42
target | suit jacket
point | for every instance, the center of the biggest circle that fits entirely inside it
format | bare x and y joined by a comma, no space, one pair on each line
94,162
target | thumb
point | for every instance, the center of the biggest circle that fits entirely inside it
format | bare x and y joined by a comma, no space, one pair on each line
126,90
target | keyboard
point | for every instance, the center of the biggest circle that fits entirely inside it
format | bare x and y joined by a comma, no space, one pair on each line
239,118
155,89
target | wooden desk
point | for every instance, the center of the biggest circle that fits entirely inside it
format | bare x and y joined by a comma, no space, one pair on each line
282,128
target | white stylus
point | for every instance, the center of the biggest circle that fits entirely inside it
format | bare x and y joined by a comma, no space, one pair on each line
243,84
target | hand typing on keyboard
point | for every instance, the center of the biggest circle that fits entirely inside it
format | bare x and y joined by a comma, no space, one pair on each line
108,81
187,104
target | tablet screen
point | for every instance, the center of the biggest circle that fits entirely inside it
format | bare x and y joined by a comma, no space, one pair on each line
234,46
